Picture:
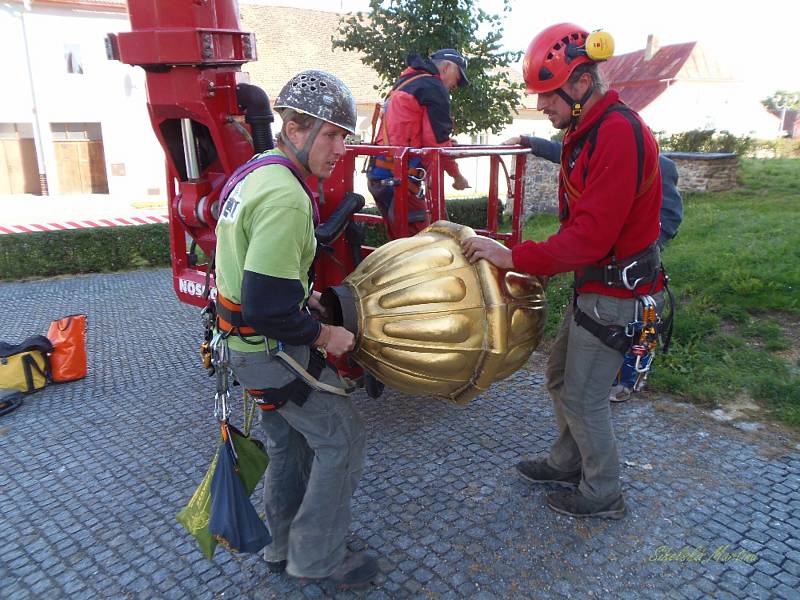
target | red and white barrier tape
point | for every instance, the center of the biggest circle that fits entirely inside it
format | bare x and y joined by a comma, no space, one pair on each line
83,224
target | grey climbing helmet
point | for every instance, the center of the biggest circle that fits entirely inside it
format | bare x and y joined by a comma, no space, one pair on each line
320,95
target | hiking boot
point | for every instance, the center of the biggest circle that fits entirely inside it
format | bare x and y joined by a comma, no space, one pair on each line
620,393
575,504
278,566
357,569
538,471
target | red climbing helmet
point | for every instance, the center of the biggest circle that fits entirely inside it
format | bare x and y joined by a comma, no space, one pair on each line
553,55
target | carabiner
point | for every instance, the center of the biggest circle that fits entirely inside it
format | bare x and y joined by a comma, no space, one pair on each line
624,276
643,369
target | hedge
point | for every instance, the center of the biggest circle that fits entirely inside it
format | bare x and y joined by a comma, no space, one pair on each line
83,251
711,140
48,253
467,211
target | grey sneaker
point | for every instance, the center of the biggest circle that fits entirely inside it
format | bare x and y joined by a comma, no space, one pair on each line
538,471
575,504
357,569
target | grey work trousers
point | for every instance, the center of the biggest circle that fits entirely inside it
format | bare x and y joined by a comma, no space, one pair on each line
579,375
316,454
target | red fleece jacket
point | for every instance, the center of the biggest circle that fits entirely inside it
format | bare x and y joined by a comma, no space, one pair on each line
418,114
608,217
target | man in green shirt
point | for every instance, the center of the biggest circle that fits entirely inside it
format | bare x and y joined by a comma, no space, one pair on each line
265,254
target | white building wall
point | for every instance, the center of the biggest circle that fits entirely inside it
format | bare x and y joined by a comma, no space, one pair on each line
108,92
17,105
686,105
476,170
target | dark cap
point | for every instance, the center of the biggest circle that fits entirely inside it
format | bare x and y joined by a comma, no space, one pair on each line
454,56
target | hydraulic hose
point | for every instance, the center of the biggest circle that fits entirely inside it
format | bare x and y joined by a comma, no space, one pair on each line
258,115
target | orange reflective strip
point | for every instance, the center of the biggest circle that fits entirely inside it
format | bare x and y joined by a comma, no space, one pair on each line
231,328
648,184
574,193
229,304
376,113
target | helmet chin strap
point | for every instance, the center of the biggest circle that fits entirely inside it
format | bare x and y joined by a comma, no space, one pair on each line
302,154
577,107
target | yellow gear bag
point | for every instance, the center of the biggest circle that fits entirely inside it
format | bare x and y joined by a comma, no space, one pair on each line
26,366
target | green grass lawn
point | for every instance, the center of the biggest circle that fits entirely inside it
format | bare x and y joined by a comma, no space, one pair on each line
735,272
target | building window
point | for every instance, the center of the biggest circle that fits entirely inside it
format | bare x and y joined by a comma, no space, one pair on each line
8,131
72,56
16,131
481,139
76,131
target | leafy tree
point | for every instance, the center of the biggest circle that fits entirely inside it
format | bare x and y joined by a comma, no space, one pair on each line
394,28
782,99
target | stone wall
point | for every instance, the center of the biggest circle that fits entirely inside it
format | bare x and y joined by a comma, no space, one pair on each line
705,172
540,189
697,172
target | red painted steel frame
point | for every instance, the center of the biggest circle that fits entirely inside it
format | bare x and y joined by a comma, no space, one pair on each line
191,51
332,269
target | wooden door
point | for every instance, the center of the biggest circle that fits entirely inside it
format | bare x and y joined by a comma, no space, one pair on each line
19,173
81,167
98,182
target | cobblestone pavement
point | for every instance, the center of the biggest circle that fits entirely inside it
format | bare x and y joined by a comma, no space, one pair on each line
93,472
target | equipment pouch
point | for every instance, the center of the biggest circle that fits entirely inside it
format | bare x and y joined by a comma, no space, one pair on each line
68,335
25,367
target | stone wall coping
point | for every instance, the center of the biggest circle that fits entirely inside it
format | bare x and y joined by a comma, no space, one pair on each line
700,155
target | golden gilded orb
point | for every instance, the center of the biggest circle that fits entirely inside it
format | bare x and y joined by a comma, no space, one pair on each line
428,322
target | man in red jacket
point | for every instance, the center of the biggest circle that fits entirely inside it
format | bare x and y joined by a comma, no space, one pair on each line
609,200
416,114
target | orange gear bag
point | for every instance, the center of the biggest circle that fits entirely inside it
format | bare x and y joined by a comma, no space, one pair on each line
68,360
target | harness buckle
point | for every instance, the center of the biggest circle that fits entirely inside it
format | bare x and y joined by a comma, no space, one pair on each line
416,175
419,176
624,277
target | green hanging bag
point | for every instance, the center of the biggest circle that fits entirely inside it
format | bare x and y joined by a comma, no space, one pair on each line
252,462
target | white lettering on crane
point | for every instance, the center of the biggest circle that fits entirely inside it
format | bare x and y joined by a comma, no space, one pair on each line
187,286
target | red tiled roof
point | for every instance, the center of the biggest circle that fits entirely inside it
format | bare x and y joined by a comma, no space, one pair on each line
290,40
640,81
